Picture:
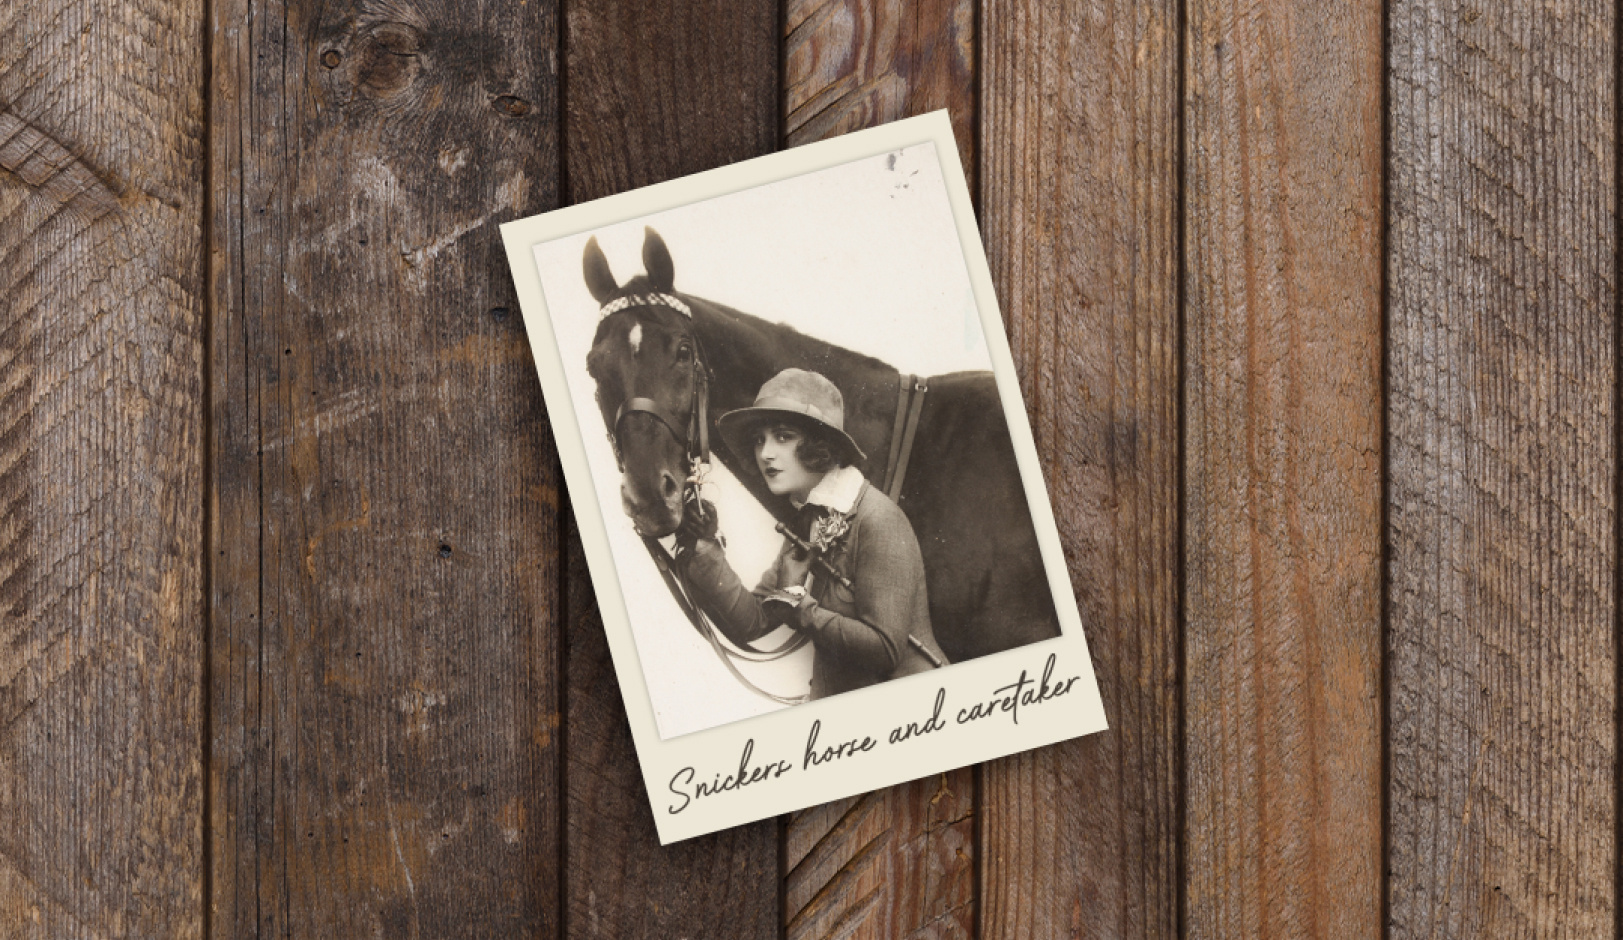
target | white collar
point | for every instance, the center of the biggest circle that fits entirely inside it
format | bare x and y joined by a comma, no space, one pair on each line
838,489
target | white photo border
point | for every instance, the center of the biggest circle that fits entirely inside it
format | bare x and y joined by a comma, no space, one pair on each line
716,753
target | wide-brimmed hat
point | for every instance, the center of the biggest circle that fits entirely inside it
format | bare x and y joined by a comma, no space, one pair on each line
800,396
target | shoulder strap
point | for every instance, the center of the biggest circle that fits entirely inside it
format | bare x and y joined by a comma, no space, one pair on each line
904,390
909,403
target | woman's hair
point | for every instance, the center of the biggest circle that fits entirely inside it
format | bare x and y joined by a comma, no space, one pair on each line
817,449
816,452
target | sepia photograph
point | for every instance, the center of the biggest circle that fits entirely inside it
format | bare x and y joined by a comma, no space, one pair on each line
803,477
802,438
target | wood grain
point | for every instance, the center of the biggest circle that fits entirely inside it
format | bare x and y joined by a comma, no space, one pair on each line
649,99
101,470
1501,507
324,512
386,621
1080,195
850,64
898,862
1282,470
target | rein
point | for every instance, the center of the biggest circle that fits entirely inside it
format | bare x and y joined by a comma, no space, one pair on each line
701,622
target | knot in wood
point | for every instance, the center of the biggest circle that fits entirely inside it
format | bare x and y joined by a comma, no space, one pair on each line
388,57
511,106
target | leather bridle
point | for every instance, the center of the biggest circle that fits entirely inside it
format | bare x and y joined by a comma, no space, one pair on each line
695,436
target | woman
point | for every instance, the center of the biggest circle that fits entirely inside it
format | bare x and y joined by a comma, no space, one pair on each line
855,584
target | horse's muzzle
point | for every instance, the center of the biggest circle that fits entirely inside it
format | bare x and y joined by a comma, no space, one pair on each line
655,518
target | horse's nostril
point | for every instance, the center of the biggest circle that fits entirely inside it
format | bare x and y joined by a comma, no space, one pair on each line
671,486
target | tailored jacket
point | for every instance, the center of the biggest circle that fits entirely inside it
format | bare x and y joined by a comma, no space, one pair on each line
860,635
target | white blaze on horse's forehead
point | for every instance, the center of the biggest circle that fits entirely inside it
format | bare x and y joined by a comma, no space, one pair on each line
635,337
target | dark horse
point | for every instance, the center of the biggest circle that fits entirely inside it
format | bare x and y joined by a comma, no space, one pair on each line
962,490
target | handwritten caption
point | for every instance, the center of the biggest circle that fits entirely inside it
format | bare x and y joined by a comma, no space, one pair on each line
687,785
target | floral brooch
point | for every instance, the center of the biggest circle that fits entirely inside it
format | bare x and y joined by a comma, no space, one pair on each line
827,531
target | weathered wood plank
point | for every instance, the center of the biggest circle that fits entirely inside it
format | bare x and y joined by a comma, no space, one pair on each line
386,623
101,467
850,64
899,862
1282,469
651,96
1080,194
1501,502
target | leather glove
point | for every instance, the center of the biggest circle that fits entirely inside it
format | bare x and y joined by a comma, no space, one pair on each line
782,608
794,567
699,523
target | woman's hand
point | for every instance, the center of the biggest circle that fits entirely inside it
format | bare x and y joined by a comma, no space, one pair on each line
699,524
795,566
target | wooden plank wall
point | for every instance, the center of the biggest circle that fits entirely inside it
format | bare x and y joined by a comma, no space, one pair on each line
1314,309
1502,356
1282,469
102,490
384,631
1079,196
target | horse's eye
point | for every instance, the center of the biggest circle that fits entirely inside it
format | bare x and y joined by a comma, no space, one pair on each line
684,353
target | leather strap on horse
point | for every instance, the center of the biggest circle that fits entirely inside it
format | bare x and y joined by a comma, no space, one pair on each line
701,401
695,439
701,623
909,403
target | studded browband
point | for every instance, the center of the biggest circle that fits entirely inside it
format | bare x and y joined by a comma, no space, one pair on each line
645,300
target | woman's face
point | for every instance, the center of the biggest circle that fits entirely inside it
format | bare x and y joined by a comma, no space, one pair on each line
775,457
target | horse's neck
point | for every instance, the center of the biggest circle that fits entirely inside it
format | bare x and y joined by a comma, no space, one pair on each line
745,351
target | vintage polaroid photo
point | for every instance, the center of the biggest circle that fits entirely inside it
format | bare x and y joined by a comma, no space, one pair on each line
796,451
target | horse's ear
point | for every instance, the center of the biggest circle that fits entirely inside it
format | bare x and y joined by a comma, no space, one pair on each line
599,279
656,260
